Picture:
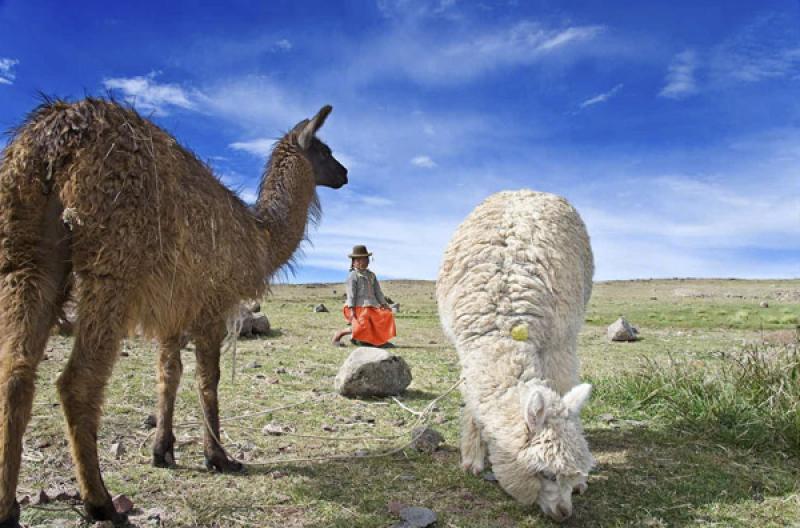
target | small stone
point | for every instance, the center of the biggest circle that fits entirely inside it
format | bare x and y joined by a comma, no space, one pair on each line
117,450
329,428
426,439
764,304
274,429
395,307
124,353
281,370
360,453
260,325
418,517
607,418
395,506
622,330
489,476
254,365
122,504
151,421
320,308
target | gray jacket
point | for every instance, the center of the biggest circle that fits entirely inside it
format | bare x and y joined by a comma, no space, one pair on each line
363,289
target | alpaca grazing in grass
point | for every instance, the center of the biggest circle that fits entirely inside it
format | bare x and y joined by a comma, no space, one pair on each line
512,291
154,240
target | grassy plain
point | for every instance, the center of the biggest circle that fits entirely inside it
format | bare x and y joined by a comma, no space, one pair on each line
655,468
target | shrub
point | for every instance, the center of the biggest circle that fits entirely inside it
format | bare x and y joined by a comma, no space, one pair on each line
749,398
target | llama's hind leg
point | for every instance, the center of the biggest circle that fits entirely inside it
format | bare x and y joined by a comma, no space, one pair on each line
473,449
207,350
169,376
34,266
102,321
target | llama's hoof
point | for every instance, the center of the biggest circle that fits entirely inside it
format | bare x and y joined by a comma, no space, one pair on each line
472,467
223,464
164,460
12,521
105,512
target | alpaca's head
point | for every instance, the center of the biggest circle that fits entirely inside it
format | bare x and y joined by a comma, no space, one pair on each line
327,169
554,460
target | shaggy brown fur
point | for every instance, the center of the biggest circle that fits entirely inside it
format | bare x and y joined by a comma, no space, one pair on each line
153,239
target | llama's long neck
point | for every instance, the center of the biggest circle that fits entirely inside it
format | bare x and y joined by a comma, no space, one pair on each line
286,199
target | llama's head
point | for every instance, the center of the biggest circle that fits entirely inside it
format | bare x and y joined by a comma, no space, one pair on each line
554,460
327,170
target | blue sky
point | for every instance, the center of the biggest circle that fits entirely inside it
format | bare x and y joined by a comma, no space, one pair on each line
673,127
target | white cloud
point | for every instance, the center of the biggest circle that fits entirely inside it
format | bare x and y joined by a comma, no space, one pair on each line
601,98
768,48
450,57
282,45
423,161
680,81
7,74
257,147
148,95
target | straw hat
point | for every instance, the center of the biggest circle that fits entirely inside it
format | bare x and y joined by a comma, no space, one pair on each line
359,251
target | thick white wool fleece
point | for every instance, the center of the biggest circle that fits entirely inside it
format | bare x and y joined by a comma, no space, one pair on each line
520,258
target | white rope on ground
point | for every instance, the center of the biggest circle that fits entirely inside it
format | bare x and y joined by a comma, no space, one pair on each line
427,410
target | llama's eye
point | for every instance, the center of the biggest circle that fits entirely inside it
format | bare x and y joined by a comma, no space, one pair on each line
548,476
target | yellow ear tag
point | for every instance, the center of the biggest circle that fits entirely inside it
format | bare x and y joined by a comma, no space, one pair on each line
520,332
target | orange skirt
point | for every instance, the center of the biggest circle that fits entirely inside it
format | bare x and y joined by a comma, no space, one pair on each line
371,325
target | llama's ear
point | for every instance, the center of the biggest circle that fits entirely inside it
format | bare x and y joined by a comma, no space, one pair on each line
533,409
311,127
577,397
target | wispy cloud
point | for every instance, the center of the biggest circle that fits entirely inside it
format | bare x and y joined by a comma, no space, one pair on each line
7,74
423,161
148,95
680,80
603,97
768,48
257,147
460,55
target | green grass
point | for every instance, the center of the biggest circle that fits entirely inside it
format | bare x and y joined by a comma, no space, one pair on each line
704,450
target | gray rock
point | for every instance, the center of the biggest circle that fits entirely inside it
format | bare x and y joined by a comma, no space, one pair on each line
320,308
117,450
417,517
253,324
621,330
369,371
426,439
764,304
260,324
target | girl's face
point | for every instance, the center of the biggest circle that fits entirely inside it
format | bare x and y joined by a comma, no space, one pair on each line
361,263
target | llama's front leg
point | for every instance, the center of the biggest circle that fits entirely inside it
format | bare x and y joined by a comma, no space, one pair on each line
473,449
101,324
169,376
207,352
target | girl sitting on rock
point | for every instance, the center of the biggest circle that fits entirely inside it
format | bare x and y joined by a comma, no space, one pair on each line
366,309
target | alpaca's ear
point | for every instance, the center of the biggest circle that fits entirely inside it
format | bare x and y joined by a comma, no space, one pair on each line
577,397
534,409
311,127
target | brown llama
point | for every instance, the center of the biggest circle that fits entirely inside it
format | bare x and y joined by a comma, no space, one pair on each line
155,240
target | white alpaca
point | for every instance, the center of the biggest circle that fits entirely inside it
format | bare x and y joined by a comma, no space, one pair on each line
512,291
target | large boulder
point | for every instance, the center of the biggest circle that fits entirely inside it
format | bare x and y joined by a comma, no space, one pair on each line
622,330
370,371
